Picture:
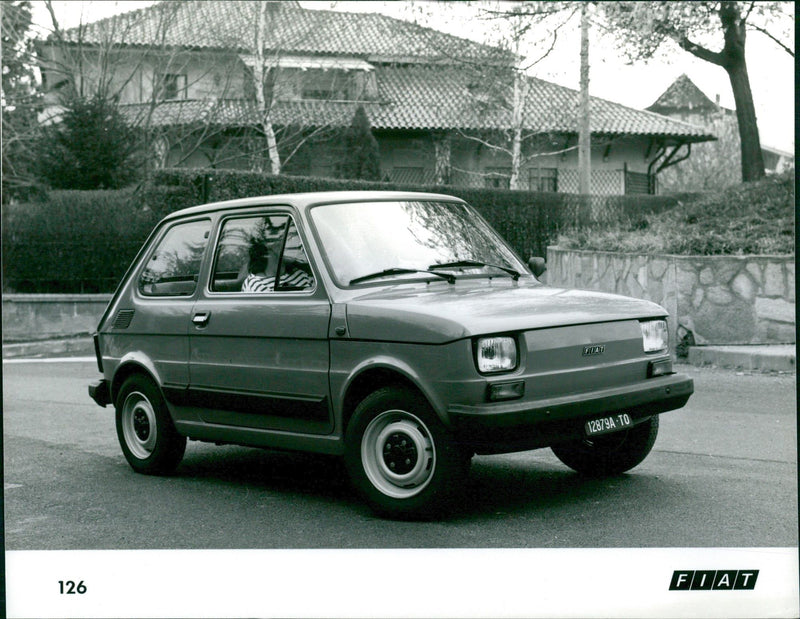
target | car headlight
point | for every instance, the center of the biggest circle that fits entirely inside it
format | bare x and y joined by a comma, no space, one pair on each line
496,354
655,336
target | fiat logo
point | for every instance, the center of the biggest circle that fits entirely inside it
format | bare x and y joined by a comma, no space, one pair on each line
597,349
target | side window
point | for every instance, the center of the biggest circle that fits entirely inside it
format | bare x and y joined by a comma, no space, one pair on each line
260,254
174,266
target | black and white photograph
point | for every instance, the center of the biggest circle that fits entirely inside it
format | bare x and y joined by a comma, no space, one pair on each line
413,308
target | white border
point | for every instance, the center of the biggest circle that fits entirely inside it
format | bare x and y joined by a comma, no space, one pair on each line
396,583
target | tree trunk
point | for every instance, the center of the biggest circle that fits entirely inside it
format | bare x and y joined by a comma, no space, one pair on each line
260,78
752,157
516,140
735,64
584,124
441,147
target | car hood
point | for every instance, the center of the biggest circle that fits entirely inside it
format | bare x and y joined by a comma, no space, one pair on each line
439,313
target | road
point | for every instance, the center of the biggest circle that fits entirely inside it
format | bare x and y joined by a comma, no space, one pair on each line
723,473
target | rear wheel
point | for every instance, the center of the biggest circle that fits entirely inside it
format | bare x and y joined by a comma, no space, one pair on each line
610,454
148,438
400,457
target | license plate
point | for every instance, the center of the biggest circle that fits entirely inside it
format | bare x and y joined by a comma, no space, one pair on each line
604,425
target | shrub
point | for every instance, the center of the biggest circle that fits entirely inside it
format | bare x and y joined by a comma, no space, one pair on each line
527,220
76,241
362,158
749,218
90,148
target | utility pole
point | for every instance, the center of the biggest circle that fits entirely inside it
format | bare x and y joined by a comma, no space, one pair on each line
584,131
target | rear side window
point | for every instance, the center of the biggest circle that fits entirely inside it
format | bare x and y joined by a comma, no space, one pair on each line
174,266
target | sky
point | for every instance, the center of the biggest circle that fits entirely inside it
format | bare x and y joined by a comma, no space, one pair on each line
771,70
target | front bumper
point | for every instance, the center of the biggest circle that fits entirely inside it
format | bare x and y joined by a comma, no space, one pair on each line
100,392
511,426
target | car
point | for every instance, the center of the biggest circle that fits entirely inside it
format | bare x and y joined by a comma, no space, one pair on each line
397,330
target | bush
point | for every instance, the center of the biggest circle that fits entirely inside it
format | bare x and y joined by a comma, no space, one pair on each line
362,158
76,241
749,218
527,220
90,148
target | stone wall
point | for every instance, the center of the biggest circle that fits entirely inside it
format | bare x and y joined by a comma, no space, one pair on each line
41,316
716,299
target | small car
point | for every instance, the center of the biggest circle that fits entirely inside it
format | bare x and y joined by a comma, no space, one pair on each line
394,329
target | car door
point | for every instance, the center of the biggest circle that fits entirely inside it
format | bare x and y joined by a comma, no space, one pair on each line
151,319
259,355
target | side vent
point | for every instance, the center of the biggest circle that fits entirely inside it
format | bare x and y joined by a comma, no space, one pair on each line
123,319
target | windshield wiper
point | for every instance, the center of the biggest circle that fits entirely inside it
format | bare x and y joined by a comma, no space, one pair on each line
451,279
474,263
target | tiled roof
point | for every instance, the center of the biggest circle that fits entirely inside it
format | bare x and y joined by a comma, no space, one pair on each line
440,98
682,94
435,98
228,24
416,95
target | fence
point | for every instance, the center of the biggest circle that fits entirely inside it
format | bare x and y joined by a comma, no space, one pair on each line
561,180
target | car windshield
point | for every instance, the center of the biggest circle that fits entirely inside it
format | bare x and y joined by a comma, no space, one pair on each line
372,241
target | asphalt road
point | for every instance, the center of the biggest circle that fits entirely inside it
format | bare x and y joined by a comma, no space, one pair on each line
723,473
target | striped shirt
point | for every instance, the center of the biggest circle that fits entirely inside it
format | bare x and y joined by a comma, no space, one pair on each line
260,283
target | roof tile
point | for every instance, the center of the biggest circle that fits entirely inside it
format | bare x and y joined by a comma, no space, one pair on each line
420,95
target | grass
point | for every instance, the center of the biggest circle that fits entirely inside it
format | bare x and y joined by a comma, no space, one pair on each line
750,218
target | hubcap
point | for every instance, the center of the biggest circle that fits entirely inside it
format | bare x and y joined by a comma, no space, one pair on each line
398,454
139,425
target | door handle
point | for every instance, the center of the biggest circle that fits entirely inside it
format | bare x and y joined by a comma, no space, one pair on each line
201,319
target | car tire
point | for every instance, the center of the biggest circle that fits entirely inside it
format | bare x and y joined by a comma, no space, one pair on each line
401,458
610,454
148,437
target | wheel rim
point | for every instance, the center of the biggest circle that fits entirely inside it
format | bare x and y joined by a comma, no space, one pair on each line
139,425
398,454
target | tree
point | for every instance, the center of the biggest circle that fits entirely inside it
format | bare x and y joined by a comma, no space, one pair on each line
713,165
263,80
269,42
700,28
90,148
148,81
584,118
520,35
362,158
20,102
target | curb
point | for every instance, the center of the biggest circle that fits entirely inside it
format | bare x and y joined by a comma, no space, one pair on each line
777,358
40,348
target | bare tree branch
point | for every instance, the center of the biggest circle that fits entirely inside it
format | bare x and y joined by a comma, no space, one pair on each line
769,35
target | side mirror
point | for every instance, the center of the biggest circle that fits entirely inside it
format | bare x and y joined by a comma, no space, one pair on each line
537,266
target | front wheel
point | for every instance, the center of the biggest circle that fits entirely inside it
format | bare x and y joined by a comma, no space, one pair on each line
148,438
610,454
399,455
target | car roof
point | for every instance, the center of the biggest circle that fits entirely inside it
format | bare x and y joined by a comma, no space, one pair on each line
303,201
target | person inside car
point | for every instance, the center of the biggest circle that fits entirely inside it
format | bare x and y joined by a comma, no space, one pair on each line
263,269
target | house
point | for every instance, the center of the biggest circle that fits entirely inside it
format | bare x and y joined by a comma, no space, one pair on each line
683,100
185,73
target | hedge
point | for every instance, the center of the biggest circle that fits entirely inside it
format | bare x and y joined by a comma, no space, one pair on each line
83,241
527,220
76,241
